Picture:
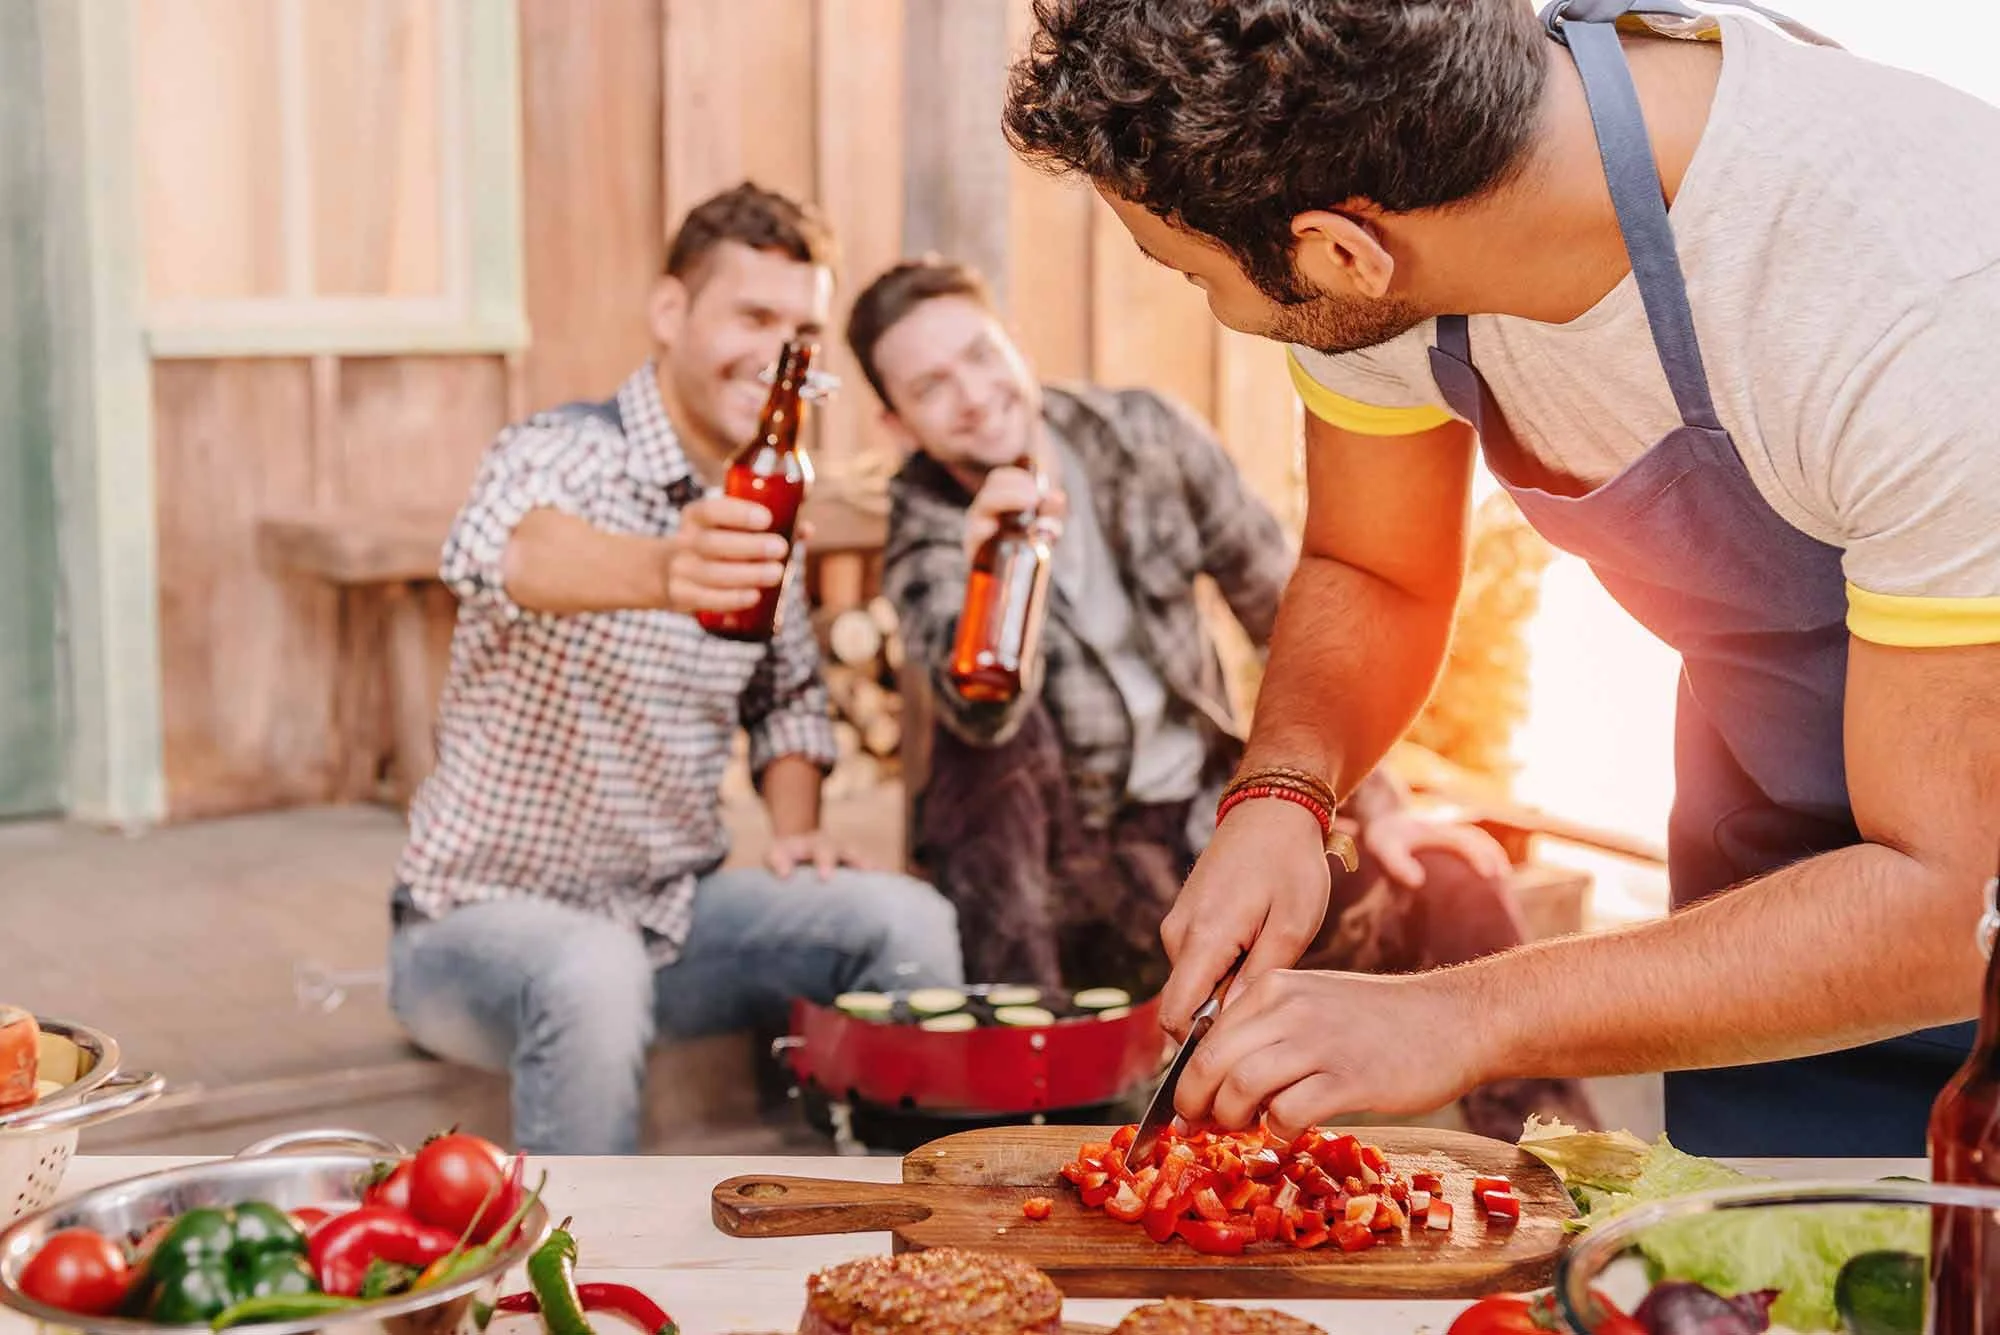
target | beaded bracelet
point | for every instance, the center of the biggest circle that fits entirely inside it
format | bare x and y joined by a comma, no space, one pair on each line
1237,797
1285,776
1303,792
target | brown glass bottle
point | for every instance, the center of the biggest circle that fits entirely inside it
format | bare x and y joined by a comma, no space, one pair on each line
1000,630
774,471
1965,1149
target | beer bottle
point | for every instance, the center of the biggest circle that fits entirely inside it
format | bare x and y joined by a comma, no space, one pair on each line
1965,1149
773,470
1005,598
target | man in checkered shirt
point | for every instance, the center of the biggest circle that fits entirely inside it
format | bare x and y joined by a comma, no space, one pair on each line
560,902
1062,823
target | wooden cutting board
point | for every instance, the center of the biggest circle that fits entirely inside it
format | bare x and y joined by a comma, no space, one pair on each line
966,1191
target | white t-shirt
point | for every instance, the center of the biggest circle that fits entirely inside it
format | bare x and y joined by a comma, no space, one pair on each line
1167,755
1839,229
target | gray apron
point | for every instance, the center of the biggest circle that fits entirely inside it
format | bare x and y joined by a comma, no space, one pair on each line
1684,541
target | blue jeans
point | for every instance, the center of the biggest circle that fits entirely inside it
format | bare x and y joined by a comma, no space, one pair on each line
567,1002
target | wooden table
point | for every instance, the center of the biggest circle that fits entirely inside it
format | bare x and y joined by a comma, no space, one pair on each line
644,1221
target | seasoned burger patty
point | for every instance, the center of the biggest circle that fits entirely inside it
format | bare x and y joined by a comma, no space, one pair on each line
1177,1316
941,1292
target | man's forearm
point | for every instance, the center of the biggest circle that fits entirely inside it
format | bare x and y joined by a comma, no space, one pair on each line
563,565
1845,948
1353,659
791,787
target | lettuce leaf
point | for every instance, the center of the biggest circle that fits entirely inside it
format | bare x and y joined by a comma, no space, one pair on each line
1797,1251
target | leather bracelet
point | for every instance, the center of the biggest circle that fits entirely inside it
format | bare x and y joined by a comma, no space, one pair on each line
1288,777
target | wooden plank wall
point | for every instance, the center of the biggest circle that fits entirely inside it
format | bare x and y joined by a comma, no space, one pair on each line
632,110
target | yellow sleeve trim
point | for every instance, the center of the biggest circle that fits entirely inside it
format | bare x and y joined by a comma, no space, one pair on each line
1906,622
1362,418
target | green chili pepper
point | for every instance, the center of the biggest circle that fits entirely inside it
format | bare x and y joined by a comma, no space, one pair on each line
552,1275
284,1307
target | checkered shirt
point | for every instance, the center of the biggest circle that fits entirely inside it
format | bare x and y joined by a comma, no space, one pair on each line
1173,508
580,758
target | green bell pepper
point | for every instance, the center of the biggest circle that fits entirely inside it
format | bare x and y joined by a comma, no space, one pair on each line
212,1259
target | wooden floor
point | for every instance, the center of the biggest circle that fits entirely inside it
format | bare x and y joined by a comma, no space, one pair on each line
213,952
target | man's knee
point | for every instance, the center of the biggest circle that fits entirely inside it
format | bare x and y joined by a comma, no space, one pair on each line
907,927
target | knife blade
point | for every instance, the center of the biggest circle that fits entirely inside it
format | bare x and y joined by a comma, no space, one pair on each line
1160,1112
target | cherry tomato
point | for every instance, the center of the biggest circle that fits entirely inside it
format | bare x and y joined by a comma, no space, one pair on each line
78,1270
452,1177
391,1188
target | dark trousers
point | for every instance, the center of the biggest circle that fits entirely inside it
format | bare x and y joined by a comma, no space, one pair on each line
1043,899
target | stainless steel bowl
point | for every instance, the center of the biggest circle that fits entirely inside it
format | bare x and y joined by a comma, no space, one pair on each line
290,1172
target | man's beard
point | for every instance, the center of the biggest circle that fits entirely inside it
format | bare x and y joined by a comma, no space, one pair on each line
1333,325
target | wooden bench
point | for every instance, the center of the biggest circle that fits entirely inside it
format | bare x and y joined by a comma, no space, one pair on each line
393,556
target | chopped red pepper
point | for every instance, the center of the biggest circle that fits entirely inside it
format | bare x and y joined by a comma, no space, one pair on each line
1038,1207
1502,1206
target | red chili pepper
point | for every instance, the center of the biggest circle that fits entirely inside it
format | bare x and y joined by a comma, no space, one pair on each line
341,1248
622,1299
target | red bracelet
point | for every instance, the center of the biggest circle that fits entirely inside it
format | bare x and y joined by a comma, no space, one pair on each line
1241,795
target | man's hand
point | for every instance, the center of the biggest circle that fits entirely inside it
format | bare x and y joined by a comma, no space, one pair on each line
1009,491
723,556
816,849
1300,1049
1396,837
1262,886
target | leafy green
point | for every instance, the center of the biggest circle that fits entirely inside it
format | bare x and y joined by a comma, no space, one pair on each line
1796,1250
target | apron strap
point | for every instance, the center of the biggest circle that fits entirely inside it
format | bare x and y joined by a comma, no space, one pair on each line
1636,192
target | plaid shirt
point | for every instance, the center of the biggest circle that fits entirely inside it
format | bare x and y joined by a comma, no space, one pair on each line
1172,507
580,758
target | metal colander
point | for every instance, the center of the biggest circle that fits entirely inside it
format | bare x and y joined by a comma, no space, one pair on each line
36,1142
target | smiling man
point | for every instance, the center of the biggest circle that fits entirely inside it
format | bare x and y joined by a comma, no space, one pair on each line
560,901
1767,421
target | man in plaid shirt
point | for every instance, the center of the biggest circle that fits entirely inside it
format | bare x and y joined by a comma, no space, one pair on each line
1062,823
560,902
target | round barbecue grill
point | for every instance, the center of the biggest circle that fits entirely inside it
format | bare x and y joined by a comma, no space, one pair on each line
892,1083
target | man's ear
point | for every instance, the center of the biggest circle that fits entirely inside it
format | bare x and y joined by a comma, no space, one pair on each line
667,310
1342,252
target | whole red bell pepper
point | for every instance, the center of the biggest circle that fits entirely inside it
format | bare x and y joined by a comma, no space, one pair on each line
342,1248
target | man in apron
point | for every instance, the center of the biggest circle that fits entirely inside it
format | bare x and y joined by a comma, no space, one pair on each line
1767,425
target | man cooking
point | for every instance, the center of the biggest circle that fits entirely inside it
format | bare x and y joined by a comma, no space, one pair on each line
1765,420
561,900
1062,823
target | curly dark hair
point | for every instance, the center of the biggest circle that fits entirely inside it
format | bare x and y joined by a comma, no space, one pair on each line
1231,117
900,290
749,215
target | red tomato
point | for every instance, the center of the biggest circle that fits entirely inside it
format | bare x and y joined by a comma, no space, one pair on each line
1497,1316
452,1177
391,1187
309,1217
77,1270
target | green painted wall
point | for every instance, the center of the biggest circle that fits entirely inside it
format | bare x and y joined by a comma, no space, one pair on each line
31,741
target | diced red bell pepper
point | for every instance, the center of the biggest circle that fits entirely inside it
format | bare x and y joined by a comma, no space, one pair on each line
1260,1164
1502,1205
1354,1186
1430,1182
1313,1238
1126,1204
1096,1188
1340,1156
1482,1185
1073,1172
1372,1157
1264,1221
1122,1138
1420,1201
1217,1237
1160,1224
1317,1183
1399,1190
1287,1198
1247,1195
1209,1205
1100,1151
1438,1215
1037,1207
1389,1216
1353,1237
1144,1180
1361,1210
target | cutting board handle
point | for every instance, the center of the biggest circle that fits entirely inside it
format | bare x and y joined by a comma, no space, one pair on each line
760,1206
